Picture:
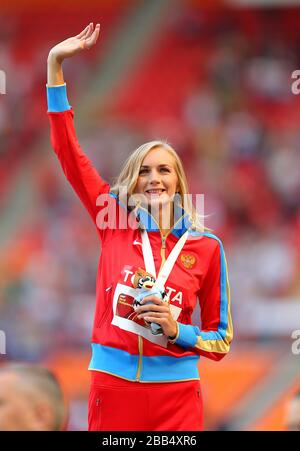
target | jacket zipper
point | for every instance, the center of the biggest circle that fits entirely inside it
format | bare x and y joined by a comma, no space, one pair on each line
163,238
163,249
138,374
163,245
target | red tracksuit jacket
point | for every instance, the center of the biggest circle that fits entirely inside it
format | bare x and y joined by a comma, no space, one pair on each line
200,273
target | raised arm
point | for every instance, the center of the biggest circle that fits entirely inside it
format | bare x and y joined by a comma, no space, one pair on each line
77,167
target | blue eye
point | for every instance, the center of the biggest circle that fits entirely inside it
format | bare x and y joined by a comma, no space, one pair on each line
145,170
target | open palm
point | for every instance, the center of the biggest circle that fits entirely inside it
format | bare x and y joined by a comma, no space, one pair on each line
71,46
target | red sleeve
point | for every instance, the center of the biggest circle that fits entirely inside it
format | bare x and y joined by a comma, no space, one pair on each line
214,338
78,169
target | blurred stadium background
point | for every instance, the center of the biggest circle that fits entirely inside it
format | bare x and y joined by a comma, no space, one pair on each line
214,79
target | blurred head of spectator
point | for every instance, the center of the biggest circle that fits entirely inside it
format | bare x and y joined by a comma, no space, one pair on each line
293,413
30,399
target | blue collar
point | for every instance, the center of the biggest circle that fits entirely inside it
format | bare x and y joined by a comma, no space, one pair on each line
182,221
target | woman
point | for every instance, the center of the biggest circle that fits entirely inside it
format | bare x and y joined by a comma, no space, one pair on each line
145,351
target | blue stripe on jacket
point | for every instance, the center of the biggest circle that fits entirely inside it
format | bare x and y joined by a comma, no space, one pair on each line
153,369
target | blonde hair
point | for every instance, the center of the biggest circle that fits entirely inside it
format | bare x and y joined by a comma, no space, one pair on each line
130,172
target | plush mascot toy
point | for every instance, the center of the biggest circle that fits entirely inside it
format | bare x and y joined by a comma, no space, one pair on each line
144,281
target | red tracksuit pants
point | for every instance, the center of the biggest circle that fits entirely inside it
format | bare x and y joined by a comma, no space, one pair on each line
119,405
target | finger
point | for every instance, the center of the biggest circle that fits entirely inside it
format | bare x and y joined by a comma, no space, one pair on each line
80,35
97,32
157,309
158,314
90,41
153,315
151,306
153,319
89,32
154,299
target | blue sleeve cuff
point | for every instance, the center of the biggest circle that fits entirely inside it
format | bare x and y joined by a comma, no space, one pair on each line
187,336
57,99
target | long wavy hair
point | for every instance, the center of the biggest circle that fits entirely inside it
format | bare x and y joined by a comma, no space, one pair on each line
130,172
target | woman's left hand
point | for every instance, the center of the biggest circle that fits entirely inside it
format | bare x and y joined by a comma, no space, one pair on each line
158,312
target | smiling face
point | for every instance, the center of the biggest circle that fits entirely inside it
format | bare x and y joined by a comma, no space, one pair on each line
157,180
